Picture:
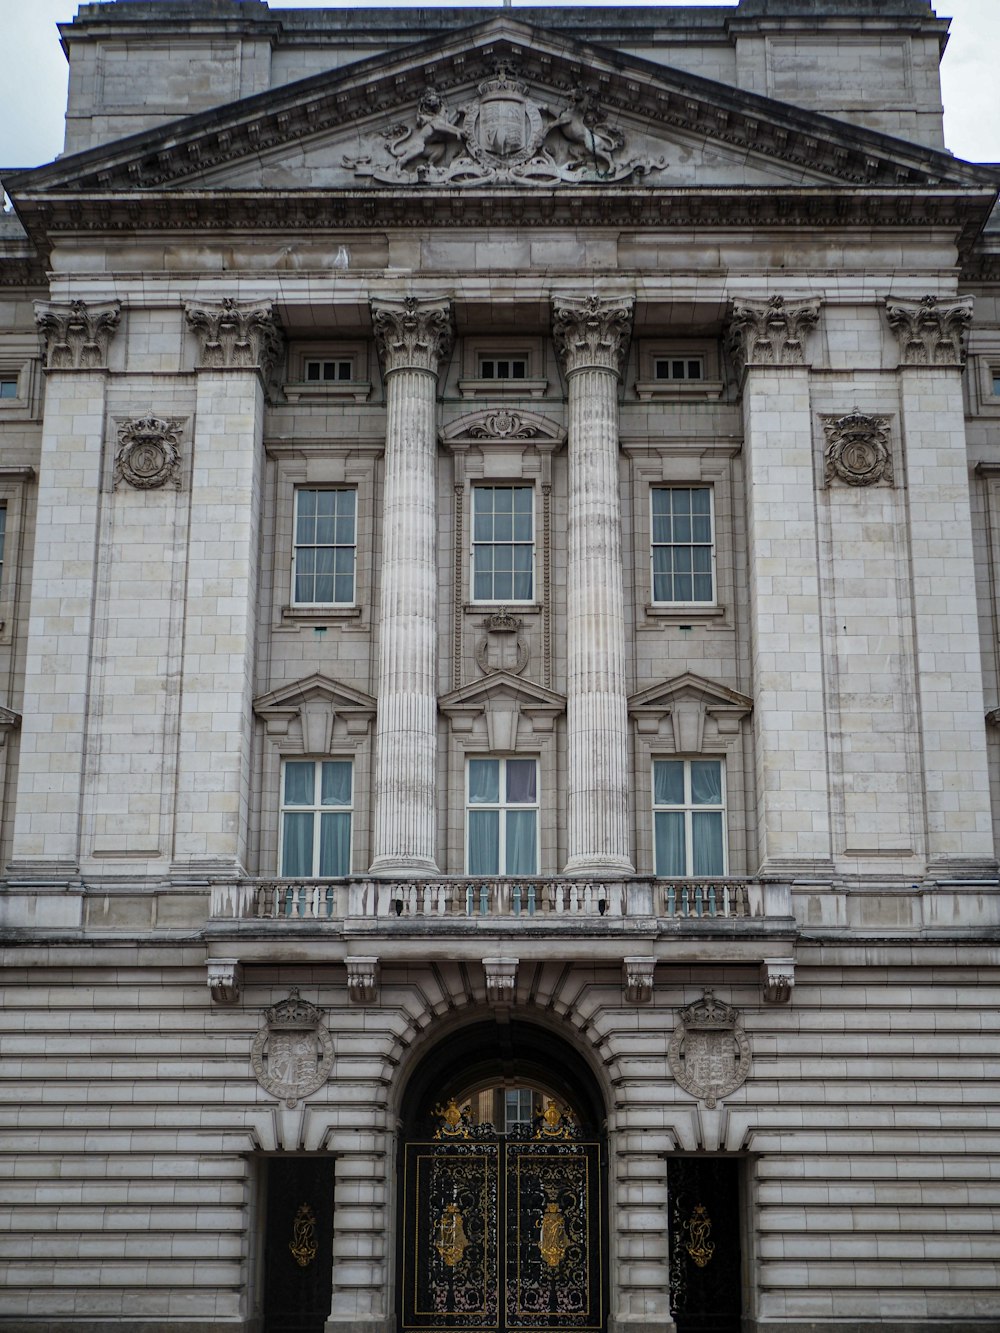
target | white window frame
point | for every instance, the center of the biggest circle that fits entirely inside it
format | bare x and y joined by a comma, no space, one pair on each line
692,545
688,808
482,487
503,806
518,1118
317,810
297,545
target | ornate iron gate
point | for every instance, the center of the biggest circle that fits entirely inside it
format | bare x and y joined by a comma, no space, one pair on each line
503,1231
705,1263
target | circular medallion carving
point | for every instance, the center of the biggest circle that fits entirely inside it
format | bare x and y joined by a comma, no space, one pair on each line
148,454
709,1053
857,450
293,1055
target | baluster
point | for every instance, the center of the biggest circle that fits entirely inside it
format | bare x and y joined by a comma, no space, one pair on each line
711,900
725,900
741,900
484,899
515,900
671,900
531,899
685,901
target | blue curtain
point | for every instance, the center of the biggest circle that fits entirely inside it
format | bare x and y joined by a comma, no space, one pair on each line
522,842
669,839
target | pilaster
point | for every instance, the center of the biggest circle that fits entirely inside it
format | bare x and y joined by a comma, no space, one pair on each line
75,340
931,338
237,345
768,344
591,337
414,339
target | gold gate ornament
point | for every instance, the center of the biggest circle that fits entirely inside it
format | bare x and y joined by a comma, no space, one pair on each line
699,1228
303,1242
451,1240
552,1240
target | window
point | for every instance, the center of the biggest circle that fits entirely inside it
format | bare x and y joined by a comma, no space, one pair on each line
325,372
325,547
503,368
502,817
8,386
518,1107
316,809
679,368
503,544
689,817
3,535
683,548
996,382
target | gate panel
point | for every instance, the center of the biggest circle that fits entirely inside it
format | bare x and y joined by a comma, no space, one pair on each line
705,1259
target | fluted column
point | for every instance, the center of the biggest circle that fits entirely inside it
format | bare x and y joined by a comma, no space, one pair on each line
413,339
591,337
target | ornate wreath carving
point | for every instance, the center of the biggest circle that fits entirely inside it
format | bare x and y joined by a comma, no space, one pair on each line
149,453
709,1053
857,450
293,1055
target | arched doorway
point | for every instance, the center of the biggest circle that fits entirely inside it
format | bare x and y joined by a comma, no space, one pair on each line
502,1201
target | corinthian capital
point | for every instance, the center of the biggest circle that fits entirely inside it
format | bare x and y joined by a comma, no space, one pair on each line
930,332
413,335
235,337
591,332
76,336
772,332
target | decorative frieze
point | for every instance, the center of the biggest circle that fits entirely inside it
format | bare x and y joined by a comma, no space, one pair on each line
637,979
857,449
293,1054
225,979
709,1053
413,335
591,332
235,337
76,336
930,332
362,979
772,332
149,453
777,978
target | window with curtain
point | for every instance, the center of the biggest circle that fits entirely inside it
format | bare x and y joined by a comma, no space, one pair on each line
325,548
316,808
683,545
502,817
689,817
503,544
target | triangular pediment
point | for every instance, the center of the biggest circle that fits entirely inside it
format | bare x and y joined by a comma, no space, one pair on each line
499,706
689,686
500,102
682,706
314,709
501,685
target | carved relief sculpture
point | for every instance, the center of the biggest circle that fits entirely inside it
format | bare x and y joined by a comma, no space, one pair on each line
771,333
148,453
502,136
709,1054
76,336
930,332
293,1055
857,450
235,337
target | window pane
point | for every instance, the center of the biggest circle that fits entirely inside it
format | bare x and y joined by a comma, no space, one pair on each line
484,842
484,781
522,850
336,782
297,844
335,845
521,781
668,782
299,783
669,838
706,782
706,843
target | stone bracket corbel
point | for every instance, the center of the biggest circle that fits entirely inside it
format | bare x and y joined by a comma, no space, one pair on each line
637,980
777,979
362,979
225,979
501,980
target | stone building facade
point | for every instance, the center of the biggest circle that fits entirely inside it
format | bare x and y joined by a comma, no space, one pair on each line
498,631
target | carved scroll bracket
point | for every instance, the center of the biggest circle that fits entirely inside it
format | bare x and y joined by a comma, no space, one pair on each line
592,332
225,979
777,979
501,980
412,334
772,332
637,979
76,336
362,979
930,332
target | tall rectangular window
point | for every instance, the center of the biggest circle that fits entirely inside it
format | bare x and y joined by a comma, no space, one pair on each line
325,549
3,537
502,817
683,545
503,544
689,809
518,1107
316,807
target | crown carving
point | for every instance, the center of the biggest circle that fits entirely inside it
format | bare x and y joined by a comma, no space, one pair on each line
293,1013
503,81
709,1014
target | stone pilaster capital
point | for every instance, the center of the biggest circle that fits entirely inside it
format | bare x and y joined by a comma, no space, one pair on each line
76,336
411,334
772,332
592,332
232,336
930,332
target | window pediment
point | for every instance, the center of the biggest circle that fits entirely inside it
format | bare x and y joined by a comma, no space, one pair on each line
683,704
317,702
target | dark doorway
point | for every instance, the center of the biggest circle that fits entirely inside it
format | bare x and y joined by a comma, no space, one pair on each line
705,1260
298,1244
503,1161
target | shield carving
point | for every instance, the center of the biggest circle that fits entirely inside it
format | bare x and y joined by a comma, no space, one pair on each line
503,123
709,1054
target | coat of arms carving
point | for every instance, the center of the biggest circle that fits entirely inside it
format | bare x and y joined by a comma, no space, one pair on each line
502,136
709,1054
293,1055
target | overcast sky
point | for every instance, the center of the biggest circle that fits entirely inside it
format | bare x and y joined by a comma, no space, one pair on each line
33,76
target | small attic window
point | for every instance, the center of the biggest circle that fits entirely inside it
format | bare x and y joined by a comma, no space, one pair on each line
8,386
329,372
679,368
503,367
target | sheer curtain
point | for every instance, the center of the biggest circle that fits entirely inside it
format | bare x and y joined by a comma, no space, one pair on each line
522,842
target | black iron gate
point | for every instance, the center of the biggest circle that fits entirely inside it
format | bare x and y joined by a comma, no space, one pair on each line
298,1244
502,1231
705,1260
